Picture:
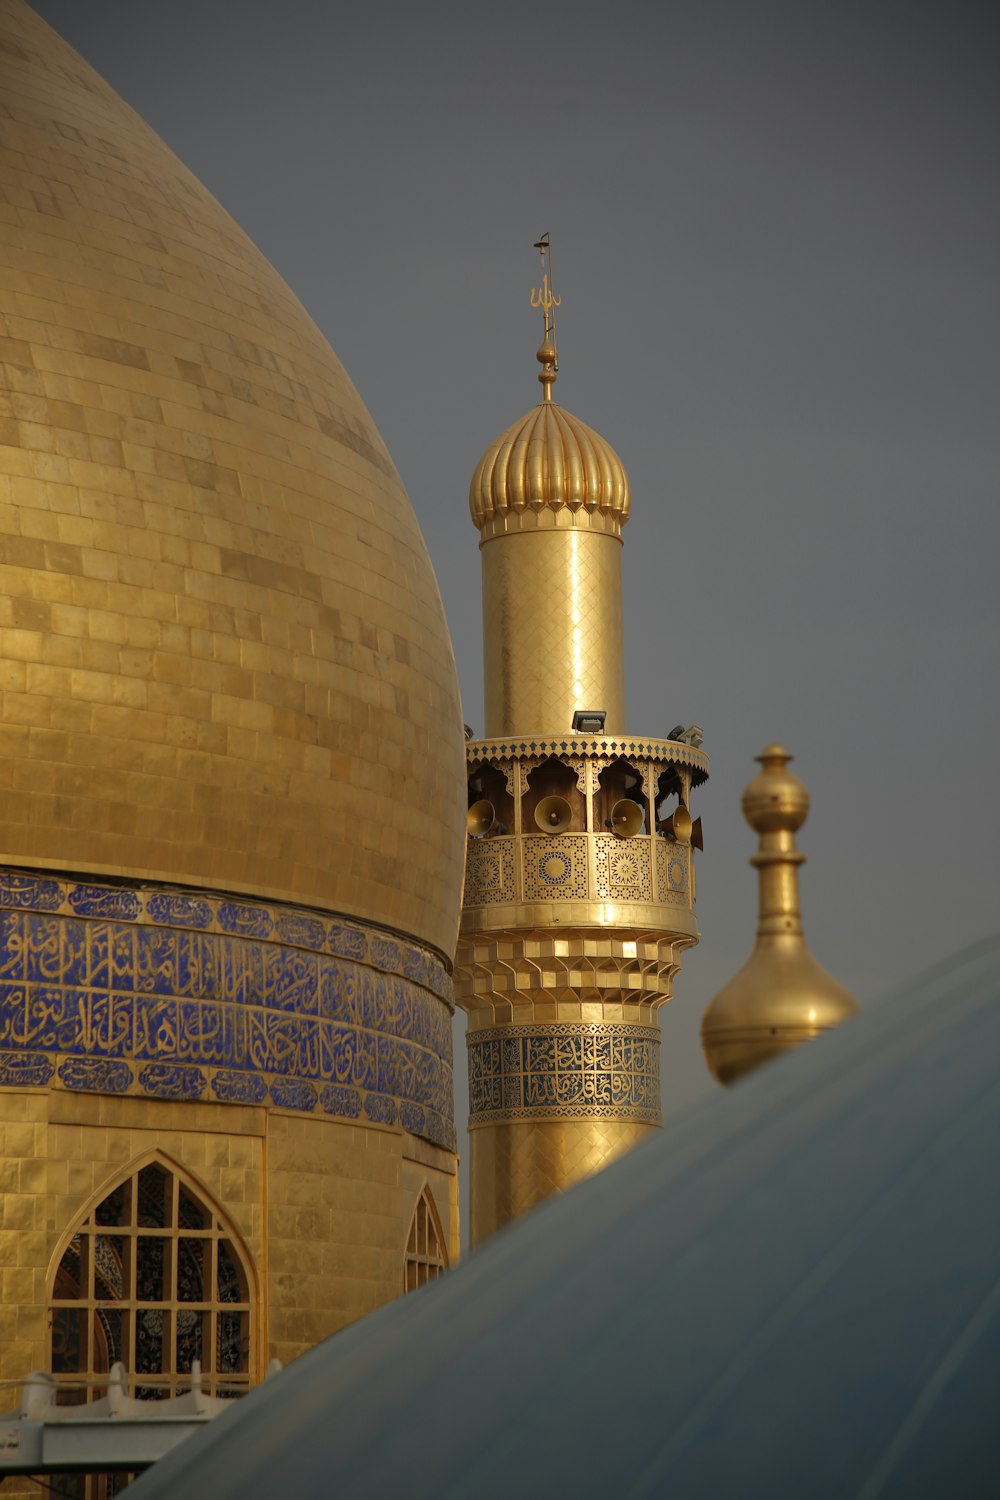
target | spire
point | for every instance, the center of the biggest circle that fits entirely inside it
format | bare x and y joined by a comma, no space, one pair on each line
545,298
776,805
781,997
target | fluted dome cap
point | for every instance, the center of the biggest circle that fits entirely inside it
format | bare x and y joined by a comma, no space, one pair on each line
547,471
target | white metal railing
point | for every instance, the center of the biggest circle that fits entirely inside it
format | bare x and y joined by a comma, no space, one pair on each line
116,1432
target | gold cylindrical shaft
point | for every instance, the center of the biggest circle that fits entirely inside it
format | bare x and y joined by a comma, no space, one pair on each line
552,631
777,864
516,1166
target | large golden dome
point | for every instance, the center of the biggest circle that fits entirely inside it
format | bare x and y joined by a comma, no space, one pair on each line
223,653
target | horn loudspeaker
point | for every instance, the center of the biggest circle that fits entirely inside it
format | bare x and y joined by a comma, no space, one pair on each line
627,818
678,826
480,819
553,814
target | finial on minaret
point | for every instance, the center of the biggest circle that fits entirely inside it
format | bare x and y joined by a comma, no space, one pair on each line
781,997
545,298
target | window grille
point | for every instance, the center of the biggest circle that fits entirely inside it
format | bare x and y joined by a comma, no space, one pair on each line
152,1276
426,1256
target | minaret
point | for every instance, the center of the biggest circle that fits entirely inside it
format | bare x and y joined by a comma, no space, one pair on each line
579,887
781,997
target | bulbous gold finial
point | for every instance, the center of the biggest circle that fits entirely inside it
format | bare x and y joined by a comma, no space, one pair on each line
546,357
775,800
781,997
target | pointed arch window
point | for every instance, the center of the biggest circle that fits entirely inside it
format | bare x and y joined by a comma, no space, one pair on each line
426,1256
152,1276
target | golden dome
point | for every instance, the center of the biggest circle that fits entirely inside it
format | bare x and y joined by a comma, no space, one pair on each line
224,657
549,470
781,997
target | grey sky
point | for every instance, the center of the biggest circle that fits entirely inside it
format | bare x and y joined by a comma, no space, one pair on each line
777,241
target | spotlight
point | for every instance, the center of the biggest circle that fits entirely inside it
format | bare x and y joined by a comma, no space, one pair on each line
693,735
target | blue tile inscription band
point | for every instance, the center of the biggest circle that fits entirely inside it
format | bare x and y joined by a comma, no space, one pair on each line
564,1070
182,996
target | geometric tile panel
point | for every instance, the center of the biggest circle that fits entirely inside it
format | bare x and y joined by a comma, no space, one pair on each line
114,989
644,868
623,868
489,871
555,868
672,873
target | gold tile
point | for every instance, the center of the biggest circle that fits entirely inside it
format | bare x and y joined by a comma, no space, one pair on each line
172,474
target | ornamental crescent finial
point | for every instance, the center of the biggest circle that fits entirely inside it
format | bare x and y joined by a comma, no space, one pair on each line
545,298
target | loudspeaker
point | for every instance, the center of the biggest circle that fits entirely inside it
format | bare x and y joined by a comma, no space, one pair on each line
697,841
627,818
481,819
678,826
553,814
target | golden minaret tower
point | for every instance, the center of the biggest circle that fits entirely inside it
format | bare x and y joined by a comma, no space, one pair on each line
781,997
579,887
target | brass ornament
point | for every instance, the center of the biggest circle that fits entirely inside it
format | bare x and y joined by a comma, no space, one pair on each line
545,298
781,997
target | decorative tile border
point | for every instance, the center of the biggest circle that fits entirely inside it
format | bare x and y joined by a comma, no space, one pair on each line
185,910
183,996
564,1070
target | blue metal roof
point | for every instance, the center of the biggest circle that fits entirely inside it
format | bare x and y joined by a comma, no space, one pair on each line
792,1290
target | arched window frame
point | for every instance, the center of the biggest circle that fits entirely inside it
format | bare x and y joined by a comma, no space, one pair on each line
426,1254
108,1328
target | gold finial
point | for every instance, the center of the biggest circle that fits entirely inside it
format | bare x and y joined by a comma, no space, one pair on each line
776,805
781,997
545,298
775,801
